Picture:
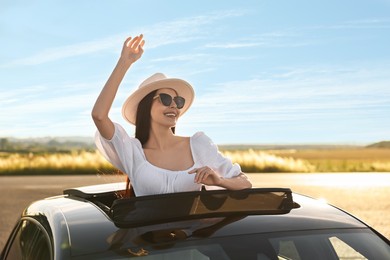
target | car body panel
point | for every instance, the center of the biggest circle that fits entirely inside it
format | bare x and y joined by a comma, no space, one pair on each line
80,228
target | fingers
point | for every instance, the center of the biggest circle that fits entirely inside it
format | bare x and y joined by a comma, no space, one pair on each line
140,47
201,174
128,39
193,171
137,43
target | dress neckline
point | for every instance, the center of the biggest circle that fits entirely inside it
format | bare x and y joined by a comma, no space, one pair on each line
167,170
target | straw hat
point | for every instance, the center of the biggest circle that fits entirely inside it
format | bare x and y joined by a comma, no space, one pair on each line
154,82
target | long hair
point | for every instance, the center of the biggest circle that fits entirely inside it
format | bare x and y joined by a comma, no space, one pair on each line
143,118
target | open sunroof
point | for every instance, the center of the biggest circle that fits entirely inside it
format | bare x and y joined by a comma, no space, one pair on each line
155,209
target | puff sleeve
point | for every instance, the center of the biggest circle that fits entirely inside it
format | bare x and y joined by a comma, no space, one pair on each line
120,150
208,154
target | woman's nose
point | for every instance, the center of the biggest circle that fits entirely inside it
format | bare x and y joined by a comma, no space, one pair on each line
173,104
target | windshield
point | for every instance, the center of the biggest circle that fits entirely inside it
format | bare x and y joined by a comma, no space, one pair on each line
179,244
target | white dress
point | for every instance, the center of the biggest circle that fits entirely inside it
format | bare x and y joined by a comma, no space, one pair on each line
126,154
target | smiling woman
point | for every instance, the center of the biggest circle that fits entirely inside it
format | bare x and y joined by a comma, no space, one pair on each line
157,160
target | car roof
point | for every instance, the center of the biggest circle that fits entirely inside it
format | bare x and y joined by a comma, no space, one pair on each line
89,227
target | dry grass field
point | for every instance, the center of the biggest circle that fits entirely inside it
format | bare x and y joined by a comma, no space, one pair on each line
342,160
53,163
313,160
364,154
319,160
365,195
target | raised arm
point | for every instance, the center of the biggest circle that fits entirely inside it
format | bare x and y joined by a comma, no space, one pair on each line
132,50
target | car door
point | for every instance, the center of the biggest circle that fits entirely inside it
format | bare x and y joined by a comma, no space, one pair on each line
29,240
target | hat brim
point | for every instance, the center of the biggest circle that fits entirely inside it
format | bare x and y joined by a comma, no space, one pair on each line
182,88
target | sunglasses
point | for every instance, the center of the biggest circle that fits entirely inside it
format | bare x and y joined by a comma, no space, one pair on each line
166,100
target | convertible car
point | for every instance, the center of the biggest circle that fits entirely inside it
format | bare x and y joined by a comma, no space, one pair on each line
98,222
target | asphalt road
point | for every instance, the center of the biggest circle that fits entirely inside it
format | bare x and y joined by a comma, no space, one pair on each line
364,195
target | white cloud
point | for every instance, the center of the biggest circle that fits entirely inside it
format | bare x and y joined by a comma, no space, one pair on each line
278,39
373,23
297,36
185,57
62,52
163,33
297,95
233,45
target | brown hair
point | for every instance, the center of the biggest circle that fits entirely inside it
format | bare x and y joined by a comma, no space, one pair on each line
142,120
129,192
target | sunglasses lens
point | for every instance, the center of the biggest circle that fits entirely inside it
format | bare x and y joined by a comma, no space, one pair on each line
179,102
165,99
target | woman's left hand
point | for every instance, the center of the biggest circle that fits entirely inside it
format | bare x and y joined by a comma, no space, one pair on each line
207,176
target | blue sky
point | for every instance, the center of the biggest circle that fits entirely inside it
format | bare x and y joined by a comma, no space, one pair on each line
264,72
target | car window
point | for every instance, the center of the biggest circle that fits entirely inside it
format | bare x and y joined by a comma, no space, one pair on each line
30,242
338,245
288,250
343,250
297,245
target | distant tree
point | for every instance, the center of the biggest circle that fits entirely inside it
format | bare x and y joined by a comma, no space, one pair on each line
383,144
53,143
4,144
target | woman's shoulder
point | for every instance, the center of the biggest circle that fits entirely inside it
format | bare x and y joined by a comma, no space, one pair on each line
121,135
201,138
203,148
198,136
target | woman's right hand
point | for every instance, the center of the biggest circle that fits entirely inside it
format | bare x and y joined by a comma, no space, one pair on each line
133,49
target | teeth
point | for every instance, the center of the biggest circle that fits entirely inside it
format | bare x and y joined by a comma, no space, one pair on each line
170,114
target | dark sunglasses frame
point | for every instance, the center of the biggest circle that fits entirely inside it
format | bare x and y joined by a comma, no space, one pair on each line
166,100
